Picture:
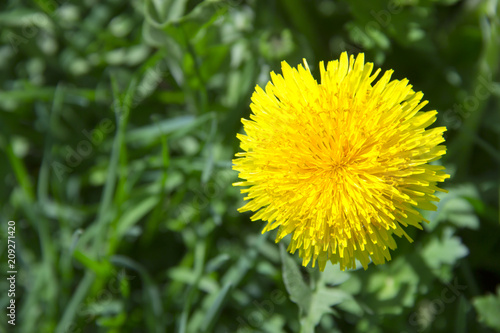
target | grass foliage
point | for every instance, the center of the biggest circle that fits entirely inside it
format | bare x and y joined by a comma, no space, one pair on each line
118,123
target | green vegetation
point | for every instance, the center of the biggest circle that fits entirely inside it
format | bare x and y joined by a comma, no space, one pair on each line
118,123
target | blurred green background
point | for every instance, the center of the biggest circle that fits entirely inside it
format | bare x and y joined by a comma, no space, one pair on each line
118,123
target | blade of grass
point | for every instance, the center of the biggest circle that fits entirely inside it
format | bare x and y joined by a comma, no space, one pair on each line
150,292
75,302
122,111
43,177
155,218
199,262
216,308
20,172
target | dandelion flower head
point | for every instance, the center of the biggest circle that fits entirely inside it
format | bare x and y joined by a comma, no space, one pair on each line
341,165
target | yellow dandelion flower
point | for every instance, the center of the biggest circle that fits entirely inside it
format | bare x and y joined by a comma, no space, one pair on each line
340,165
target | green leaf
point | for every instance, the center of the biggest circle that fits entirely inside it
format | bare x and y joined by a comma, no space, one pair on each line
131,216
213,312
444,251
101,268
114,321
334,276
313,304
460,212
162,12
323,300
455,207
488,309
394,286
150,292
144,135
299,291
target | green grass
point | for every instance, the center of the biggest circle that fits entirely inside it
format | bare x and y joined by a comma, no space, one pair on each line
136,229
